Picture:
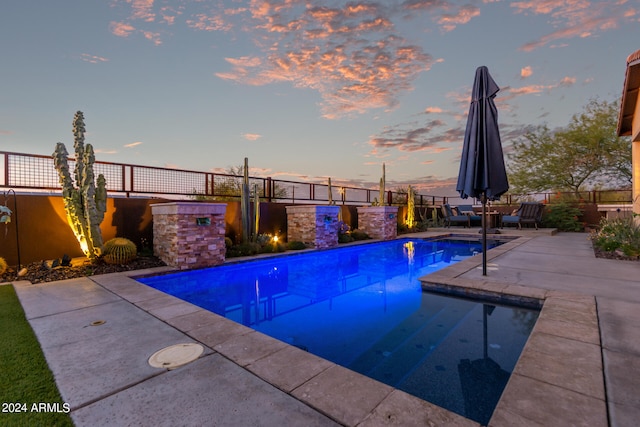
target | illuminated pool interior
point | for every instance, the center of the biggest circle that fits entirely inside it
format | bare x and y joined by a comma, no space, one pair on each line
363,307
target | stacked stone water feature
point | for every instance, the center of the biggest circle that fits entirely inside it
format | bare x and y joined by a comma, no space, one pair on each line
189,235
379,222
315,225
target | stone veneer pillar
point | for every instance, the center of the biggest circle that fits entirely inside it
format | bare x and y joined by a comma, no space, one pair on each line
379,222
315,225
189,235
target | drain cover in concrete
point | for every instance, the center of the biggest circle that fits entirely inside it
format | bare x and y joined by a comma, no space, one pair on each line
176,355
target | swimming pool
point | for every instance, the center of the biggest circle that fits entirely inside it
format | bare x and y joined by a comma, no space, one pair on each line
362,307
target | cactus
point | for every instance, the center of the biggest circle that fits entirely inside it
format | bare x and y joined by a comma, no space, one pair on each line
119,251
330,193
256,213
434,217
380,201
3,265
85,204
245,203
411,222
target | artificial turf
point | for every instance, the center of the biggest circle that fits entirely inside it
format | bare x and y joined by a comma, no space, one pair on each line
25,378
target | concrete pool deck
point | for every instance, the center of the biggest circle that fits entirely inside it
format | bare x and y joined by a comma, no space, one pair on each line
581,365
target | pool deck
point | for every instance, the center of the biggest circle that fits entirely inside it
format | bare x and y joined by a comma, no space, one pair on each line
580,366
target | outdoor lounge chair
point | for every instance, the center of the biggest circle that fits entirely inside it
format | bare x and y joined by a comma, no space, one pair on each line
527,213
454,217
468,210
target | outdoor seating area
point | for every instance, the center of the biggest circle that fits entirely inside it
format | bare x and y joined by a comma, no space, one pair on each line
527,213
474,218
451,216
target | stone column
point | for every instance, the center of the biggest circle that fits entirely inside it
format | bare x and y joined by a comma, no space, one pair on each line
379,222
315,225
189,235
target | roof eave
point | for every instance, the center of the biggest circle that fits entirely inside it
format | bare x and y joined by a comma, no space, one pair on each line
629,94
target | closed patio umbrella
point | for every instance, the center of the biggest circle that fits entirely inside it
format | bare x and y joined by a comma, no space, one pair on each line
482,171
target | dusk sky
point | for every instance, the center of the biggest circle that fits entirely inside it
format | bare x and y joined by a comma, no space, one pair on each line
305,89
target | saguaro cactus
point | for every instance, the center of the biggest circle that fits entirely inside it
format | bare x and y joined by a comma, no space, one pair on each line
85,204
245,203
383,182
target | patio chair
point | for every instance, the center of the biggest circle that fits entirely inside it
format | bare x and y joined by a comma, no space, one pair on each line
468,210
527,213
452,216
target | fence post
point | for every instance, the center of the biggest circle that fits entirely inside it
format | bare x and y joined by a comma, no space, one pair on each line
6,169
268,192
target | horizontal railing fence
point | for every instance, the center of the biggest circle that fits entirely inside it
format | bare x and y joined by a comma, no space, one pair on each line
36,173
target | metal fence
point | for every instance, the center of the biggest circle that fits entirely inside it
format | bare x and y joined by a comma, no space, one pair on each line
33,172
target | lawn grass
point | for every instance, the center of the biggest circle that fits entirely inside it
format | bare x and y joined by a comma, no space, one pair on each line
25,378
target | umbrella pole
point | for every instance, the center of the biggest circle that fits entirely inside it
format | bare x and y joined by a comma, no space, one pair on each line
484,234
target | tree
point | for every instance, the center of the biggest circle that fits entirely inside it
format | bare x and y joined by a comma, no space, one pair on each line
585,154
228,187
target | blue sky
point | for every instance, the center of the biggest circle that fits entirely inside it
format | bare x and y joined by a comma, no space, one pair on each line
305,89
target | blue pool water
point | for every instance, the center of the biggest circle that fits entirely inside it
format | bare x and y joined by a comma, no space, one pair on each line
362,307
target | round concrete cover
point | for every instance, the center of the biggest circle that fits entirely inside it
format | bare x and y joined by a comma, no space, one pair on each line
176,355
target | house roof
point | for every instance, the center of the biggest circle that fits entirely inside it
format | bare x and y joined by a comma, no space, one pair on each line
629,94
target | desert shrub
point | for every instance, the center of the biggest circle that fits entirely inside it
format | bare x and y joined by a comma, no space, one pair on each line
344,232
272,247
296,245
359,235
146,249
119,250
228,242
243,249
345,238
563,216
3,265
402,228
618,233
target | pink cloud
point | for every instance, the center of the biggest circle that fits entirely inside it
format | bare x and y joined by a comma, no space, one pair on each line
154,37
142,9
433,110
463,15
410,137
526,72
102,151
121,29
351,55
203,22
528,90
445,13
567,81
251,136
575,18
93,59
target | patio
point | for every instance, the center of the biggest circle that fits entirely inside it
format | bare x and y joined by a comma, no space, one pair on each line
579,366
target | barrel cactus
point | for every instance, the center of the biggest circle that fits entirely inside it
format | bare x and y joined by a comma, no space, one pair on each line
119,250
3,265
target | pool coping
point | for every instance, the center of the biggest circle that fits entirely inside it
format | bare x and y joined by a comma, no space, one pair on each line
545,385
